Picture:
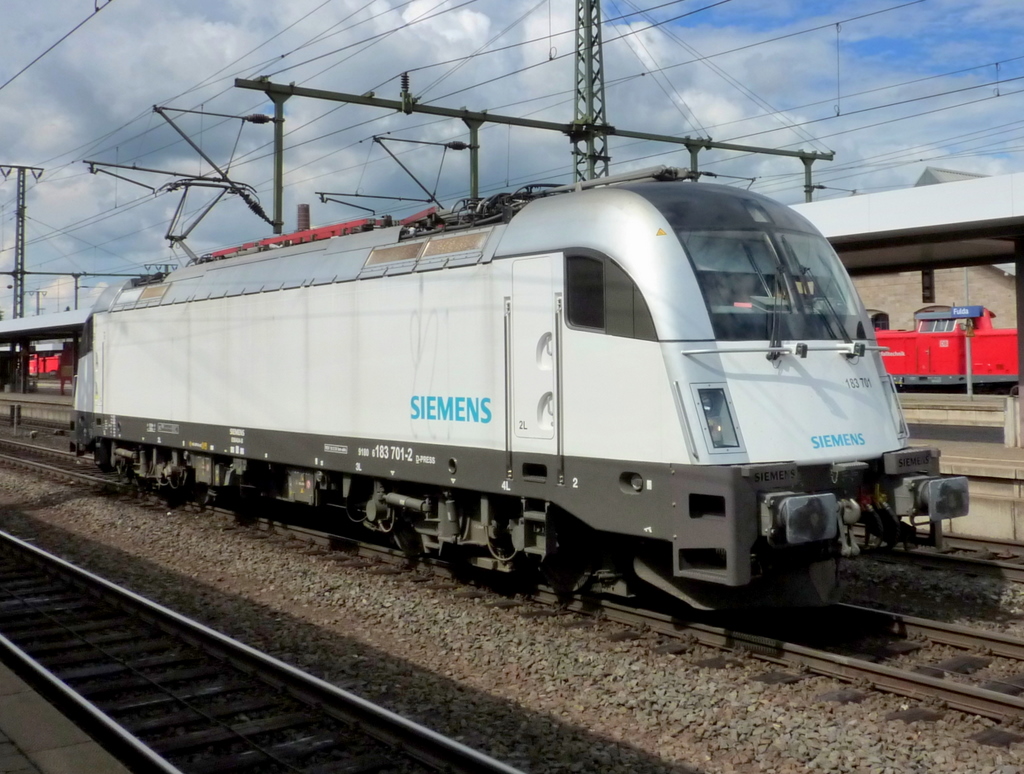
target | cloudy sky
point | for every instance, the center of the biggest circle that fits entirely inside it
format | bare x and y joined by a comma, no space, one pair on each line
891,86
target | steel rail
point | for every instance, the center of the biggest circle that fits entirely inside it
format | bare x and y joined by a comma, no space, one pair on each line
36,448
961,696
1009,569
419,742
990,568
88,478
940,632
978,543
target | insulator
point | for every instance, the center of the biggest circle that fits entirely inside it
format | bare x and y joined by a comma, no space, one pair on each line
257,209
457,145
405,81
258,118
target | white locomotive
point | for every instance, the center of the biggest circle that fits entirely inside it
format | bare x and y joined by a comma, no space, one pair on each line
654,382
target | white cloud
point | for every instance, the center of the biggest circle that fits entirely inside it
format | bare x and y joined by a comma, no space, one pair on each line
91,97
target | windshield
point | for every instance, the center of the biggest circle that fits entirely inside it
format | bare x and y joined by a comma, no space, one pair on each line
786,285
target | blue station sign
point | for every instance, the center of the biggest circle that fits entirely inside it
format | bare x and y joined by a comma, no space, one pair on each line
966,311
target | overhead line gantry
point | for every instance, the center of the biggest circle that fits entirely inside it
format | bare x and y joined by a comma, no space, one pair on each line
474,119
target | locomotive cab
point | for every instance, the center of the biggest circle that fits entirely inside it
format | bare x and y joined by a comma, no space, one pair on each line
784,431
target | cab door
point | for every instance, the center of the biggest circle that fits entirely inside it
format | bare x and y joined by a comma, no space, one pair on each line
534,311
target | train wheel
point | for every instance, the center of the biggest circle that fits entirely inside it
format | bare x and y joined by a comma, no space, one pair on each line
202,496
101,455
572,555
124,470
567,573
408,540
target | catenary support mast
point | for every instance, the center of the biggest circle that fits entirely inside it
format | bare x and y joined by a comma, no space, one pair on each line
19,231
589,140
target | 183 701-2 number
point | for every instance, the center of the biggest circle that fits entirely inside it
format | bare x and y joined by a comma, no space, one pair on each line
385,452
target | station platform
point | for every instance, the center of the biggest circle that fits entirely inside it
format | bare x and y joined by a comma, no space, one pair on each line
978,453
40,398
35,738
45,406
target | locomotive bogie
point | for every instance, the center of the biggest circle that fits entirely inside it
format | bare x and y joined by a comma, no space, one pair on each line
662,384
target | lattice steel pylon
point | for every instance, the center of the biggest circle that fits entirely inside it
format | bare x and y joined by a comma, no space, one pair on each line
19,231
589,137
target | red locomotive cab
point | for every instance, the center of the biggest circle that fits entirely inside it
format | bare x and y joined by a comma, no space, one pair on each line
934,355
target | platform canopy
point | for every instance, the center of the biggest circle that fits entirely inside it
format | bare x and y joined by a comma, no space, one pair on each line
45,326
964,223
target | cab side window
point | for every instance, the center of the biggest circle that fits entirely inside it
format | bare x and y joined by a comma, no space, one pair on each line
584,291
85,344
600,296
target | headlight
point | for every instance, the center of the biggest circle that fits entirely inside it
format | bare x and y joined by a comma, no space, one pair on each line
944,498
802,518
718,417
940,497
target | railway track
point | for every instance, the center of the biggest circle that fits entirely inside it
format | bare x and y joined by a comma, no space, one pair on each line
166,694
56,462
945,665
985,557
942,665
898,654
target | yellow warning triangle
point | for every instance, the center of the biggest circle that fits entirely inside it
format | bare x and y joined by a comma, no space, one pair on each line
661,232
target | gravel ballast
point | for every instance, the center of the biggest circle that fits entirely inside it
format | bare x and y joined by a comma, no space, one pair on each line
533,691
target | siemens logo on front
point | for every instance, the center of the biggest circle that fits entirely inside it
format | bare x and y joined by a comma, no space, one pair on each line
830,441
451,409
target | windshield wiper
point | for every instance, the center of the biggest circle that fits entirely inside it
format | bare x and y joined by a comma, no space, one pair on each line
856,350
775,350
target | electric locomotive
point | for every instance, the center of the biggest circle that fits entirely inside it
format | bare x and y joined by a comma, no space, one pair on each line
620,384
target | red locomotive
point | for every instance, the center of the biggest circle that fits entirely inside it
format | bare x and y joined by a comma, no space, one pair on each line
38,365
934,356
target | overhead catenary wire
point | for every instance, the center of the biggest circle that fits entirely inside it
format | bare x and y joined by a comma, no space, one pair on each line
96,9
873,165
94,219
859,128
440,79
546,173
371,38
519,44
675,97
819,27
848,95
52,177
735,83
423,17
535,65
721,2
255,157
675,1
878,107
90,147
